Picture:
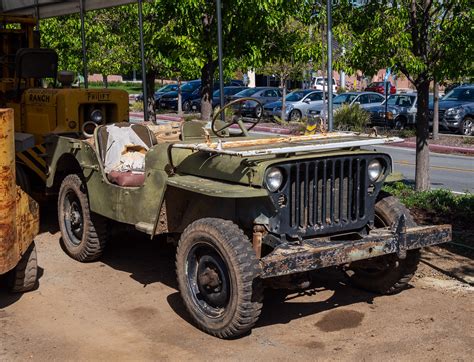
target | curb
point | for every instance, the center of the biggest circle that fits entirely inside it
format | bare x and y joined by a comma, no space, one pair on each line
437,148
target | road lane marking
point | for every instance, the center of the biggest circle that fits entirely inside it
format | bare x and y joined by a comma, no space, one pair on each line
444,168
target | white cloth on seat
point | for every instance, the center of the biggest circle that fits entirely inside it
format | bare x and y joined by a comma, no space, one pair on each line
116,157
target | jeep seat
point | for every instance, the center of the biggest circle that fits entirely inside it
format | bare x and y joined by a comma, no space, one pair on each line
111,142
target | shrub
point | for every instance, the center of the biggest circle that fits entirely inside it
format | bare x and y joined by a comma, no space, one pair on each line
351,118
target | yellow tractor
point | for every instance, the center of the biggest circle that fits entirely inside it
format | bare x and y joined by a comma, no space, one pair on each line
45,102
19,217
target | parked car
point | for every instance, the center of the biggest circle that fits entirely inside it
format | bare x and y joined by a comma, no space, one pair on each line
229,91
379,88
319,82
163,90
189,91
455,112
401,111
364,99
297,104
263,94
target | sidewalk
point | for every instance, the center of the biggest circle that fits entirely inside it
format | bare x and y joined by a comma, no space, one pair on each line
408,143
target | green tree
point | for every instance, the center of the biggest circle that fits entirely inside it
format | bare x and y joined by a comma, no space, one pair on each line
247,25
422,39
289,53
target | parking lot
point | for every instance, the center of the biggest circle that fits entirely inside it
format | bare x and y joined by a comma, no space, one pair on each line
126,307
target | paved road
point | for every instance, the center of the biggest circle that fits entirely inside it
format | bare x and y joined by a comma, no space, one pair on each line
452,172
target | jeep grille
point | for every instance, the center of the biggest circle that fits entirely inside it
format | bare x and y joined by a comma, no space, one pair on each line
325,196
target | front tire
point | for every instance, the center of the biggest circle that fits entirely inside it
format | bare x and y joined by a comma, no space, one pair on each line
186,106
467,126
84,234
23,278
295,115
386,274
218,280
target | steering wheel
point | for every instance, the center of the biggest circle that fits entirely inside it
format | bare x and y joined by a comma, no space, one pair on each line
235,118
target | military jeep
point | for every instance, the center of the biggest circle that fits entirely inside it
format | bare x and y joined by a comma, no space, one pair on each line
245,209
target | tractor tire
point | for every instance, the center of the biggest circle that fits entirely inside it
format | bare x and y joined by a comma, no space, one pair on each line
22,179
385,274
84,234
218,277
24,277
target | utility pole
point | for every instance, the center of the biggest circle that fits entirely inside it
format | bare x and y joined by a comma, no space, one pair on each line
220,55
329,29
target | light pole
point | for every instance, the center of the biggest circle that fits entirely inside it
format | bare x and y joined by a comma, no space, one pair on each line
219,45
329,30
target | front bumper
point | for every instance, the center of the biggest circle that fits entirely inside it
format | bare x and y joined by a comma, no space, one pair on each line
315,254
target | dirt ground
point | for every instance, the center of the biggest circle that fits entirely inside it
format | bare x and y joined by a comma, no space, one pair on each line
126,307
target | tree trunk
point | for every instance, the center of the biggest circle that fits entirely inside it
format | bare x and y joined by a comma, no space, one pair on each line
105,81
207,88
436,111
422,176
283,100
180,96
150,90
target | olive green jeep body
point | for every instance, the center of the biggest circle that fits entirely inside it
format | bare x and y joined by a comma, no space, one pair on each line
245,209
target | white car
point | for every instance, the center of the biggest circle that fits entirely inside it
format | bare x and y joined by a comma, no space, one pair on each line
318,83
297,104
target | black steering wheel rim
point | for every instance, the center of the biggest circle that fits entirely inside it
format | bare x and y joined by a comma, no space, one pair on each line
239,121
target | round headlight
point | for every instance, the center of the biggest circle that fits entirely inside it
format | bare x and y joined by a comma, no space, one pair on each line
273,179
96,116
374,170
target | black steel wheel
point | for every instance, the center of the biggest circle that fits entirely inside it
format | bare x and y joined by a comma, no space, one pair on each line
218,277
386,274
467,126
84,234
23,277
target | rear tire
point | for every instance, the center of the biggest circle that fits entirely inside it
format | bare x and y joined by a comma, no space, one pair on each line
23,278
218,277
386,274
84,234
22,179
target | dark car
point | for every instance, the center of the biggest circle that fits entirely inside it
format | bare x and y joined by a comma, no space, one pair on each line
401,111
262,94
453,114
228,93
189,91
379,88
165,89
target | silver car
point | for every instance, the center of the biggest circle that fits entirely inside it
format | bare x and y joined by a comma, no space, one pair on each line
297,105
364,99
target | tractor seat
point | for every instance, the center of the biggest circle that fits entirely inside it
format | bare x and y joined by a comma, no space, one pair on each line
122,148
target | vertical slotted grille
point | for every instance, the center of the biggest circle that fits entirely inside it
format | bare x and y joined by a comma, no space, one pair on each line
327,192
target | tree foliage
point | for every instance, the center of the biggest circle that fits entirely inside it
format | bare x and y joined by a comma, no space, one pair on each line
422,39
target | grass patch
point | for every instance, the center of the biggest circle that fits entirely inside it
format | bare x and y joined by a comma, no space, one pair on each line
439,207
131,88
